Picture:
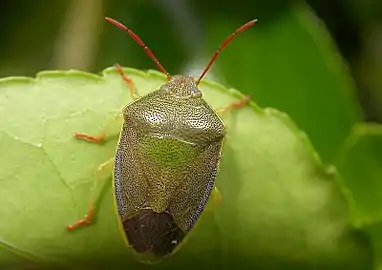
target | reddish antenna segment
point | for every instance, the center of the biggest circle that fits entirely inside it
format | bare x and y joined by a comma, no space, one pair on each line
223,45
141,43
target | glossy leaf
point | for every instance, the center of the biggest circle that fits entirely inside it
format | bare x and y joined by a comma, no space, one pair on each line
281,207
361,166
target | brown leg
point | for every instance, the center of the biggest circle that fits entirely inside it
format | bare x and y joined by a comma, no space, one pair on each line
88,218
98,138
235,105
129,82
94,139
84,221
101,136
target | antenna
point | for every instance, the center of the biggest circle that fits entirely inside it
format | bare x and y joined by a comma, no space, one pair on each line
223,45
140,42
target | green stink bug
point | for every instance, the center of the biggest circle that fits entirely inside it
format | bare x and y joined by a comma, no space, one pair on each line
166,160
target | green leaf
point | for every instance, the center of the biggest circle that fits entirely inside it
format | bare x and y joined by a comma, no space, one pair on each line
281,207
361,167
290,63
375,232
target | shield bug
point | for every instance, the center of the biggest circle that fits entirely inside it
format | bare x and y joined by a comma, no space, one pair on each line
166,160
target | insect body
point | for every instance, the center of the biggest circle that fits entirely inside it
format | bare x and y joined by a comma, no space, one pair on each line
166,160
166,163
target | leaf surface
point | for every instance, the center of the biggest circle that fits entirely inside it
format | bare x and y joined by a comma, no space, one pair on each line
281,207
361,166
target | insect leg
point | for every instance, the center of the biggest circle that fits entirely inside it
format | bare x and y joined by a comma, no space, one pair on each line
235,105
101,136
217,196
129,82
214,201
88,218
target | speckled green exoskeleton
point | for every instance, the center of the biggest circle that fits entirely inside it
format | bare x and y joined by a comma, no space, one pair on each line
166,160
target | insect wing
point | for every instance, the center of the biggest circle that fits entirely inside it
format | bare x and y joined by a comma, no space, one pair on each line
159,232
192,196
130,192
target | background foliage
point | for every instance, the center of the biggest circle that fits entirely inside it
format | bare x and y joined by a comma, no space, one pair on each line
318,61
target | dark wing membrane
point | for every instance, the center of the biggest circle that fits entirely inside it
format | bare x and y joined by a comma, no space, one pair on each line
191,197
129,181
152,232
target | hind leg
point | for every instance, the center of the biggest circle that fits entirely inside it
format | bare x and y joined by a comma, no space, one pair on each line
88,218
